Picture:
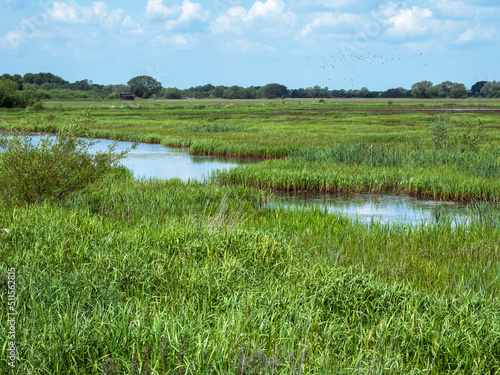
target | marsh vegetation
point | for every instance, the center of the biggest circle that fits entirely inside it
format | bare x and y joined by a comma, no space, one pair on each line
182,277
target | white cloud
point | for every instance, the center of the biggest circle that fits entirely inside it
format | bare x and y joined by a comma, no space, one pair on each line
12,40
319,6
48,24
271,8
454,9
266,16
192,16
333,23
155,10
176,41
409,22
243,45
115,18
70,13
475,34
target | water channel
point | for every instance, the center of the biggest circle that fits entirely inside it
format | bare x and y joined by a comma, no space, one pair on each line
156,161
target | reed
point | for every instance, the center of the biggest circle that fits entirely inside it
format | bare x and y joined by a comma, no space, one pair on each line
441,182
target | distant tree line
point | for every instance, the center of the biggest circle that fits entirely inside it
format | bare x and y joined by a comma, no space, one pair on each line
23,91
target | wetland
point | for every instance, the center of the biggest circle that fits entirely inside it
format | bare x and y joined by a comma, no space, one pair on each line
223,274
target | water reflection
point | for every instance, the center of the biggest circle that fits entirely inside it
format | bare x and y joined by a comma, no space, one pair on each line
157,161
368,208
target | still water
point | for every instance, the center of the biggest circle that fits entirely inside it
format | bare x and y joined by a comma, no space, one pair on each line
156,161
368,208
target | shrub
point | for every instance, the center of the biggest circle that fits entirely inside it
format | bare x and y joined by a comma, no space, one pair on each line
52,168
440,132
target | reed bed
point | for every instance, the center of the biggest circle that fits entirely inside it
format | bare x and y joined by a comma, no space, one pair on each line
300,176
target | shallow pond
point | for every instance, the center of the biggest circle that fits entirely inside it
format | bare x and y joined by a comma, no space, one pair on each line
156,161
367,208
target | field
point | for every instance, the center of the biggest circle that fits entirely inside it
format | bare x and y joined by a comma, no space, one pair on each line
172,277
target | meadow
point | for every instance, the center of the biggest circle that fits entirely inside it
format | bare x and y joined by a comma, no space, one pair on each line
185,277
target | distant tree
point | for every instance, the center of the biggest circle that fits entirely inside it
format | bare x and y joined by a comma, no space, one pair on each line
144,86
9,96
218,91
364,93
491,89
172,93
399,92
338,93
443,90
476,88
208,87
84,85
458,91
273,90
16,78
304,93
40,78
422,90
234,92
249,93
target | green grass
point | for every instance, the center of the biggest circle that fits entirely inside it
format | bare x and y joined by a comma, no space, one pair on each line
171,277
186,276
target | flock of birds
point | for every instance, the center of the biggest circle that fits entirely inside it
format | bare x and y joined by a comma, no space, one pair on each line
353,60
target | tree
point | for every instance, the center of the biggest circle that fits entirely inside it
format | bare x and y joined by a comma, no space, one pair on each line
53,168
40,78
9,93
491,89
476,88
443,90
144,86
422,89
172,93
399,92
458,91
16,78
218,91
273,90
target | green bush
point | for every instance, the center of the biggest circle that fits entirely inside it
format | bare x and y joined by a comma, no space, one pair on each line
52,168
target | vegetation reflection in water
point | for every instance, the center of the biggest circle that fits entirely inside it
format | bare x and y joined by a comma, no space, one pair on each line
368,208
157,161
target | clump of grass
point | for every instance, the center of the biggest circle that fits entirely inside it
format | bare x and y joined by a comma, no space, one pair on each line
212,128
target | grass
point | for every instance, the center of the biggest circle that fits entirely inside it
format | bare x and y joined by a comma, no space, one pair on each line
172,277
195,278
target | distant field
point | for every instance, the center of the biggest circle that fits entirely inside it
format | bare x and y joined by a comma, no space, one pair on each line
264,128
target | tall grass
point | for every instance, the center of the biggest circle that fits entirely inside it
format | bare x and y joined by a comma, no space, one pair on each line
485,163
291,175
124,283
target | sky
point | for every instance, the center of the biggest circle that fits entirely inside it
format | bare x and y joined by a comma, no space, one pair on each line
339,44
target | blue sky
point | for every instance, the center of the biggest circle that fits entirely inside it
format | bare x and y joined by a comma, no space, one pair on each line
298,43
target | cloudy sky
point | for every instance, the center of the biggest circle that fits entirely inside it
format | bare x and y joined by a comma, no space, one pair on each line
298,43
